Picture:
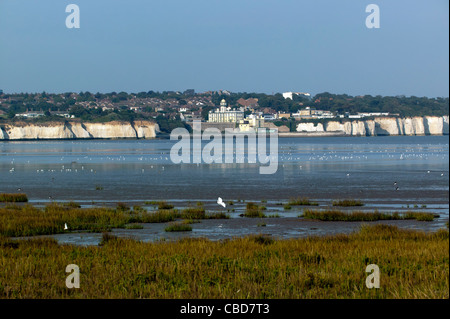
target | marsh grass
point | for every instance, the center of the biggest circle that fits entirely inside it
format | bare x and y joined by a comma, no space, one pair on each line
304,201
193,213
122,207
218,215
252,210
164,205
13,198
337,215
191,221
139,209
134,226
428,217
347,203
28,220
178,227
262,239
71,204
106,238
160,216
200,213
413,265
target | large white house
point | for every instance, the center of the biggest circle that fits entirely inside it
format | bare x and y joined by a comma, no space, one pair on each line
225,114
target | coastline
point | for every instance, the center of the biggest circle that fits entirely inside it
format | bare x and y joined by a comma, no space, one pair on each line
76,130
166,136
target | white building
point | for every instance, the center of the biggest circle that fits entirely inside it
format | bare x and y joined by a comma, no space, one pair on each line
30,114
373,114
224,114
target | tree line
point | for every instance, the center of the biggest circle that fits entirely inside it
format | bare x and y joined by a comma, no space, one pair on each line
337,103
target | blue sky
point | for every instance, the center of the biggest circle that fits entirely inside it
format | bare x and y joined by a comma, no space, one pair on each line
239,45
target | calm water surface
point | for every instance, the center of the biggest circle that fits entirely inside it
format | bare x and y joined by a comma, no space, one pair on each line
105,172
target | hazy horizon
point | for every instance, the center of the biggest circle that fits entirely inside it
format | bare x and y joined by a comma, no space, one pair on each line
241,92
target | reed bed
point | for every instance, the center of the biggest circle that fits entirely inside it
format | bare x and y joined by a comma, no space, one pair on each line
13,198
304,201
337,215
348,203
27,220
253,210
178,227
413,265
193,213
160,216
164,205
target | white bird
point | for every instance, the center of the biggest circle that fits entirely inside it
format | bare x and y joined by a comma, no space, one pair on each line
65,226
220,202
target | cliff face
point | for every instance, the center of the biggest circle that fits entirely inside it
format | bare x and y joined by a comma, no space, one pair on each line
2,135
77,130
310,127
446,125
428,125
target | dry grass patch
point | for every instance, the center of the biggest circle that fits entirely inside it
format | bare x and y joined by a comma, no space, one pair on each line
412,264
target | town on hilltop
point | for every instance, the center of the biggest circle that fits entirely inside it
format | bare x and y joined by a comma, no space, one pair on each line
222,109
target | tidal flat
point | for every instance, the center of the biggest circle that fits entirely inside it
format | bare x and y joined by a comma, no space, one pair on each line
74,223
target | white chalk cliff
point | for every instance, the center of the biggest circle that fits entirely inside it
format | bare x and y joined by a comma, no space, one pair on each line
77,130
427,125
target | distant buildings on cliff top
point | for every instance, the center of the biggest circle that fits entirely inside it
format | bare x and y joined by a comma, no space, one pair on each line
225,114
190,107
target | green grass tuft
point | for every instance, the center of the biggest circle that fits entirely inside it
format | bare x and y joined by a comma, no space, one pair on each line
13,198
301,202
347,203
164,205
337,215
178,227
254,211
